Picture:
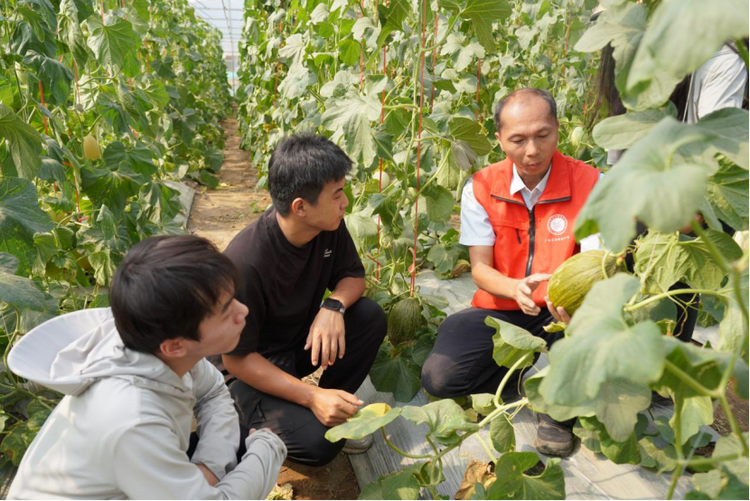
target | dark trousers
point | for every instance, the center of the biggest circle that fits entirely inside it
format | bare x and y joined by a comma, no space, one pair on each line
297,426
687,313
461,361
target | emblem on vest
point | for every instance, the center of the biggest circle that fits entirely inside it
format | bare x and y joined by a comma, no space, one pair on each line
557,224
327,253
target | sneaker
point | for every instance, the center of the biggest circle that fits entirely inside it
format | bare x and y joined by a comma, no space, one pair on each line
358,446
554,439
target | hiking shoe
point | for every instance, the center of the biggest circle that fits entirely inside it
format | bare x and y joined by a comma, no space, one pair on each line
358,446
554,439
657,399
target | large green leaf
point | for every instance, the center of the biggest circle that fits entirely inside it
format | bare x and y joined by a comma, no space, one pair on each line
20,219
399,485
138,158
294,48
349,119
705,365
24,142
513,483
482,14
623,25
511,343
8,263
617,405
727,198
444,418
670,50
363,228
694,412
391,18
602,347
366,421
55,77
668,258
646,185
594,436
462,54
395,374
112,42
620,132
662,459
729,129
438,203
502,434
111,188
469,131
104,264
20,292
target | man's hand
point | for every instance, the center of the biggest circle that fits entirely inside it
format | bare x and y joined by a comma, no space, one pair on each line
210,477
333,407
326,339
558,312
525,289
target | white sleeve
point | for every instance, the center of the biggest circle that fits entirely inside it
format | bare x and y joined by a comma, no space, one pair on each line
592,242
218,424
149,464
475,223
722,85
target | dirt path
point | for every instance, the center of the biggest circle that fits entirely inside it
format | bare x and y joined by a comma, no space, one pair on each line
218,215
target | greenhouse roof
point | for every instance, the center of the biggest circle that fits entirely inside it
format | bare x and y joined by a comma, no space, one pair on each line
226,16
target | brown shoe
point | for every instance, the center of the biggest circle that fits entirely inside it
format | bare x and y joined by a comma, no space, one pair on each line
554,439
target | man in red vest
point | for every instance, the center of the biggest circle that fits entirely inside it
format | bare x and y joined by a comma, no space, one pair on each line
517,218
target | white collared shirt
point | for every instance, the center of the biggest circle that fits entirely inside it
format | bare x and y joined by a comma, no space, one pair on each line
476,229
530,197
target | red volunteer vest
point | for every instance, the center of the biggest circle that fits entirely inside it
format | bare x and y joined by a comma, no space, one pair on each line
537,240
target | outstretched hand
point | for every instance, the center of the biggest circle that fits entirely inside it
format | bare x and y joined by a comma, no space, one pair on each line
334,407
524,291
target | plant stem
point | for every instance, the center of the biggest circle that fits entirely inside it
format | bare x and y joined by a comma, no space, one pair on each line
742,50
445,35
711,460
689,381
402,453
675,477
735,275
678,406
486,448
663,295
507,376
400,107
733,422
717,255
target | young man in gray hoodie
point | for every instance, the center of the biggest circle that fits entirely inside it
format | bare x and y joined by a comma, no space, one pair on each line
134,375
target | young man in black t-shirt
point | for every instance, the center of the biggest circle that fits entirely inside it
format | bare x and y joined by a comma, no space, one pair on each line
286,261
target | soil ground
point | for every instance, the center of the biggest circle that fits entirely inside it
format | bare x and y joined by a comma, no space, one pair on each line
218,215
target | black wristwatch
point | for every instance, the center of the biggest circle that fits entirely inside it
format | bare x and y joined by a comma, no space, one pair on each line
333,304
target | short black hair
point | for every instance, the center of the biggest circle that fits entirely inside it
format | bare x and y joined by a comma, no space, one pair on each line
300,166
165,287
527,90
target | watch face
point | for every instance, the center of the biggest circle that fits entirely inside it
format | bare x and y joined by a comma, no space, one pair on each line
333,304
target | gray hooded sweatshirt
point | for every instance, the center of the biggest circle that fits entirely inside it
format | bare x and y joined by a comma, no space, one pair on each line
123,428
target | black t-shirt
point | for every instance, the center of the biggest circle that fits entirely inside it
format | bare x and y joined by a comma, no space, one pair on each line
283,285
